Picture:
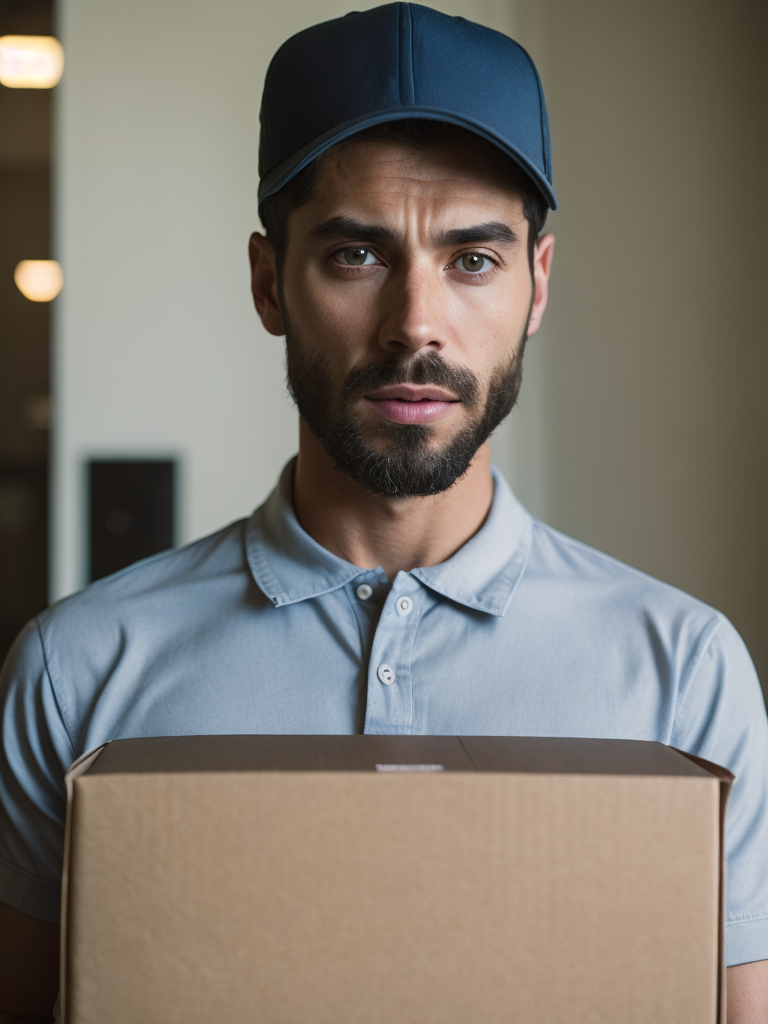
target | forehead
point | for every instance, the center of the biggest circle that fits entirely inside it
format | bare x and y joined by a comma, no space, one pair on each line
461,170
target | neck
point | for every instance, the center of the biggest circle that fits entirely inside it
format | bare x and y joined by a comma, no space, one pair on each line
398,534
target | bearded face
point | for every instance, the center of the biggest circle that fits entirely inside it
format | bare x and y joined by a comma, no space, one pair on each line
405,280
398,460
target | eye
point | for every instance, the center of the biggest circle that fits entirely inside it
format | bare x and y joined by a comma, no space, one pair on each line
475,263
355,256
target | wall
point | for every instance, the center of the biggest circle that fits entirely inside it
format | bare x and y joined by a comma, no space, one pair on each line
650,418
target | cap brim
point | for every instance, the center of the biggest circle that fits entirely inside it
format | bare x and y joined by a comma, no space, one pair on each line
281,175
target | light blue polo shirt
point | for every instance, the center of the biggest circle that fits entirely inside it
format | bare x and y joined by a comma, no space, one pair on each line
258,629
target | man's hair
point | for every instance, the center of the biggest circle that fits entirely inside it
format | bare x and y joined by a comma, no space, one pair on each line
419,134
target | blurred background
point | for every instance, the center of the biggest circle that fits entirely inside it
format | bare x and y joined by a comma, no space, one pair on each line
145,406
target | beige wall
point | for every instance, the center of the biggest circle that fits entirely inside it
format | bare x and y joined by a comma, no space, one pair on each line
652,425
642,425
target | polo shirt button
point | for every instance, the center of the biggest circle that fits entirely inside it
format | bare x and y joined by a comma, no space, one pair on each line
404,606
364,591
386,674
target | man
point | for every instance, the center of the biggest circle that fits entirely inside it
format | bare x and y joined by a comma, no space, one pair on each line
391,583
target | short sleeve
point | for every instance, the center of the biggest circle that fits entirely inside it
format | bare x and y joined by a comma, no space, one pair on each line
721,716
36,750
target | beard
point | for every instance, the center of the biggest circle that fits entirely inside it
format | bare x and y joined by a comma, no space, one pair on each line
395,460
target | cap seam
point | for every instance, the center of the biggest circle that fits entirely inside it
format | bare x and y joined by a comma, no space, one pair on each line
412,97
399,57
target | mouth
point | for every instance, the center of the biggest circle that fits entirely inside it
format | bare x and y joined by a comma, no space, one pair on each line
411,403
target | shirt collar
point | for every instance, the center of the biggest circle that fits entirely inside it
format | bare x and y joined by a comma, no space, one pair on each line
484,572
289,566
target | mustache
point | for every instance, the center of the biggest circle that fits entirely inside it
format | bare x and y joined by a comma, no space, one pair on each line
427,369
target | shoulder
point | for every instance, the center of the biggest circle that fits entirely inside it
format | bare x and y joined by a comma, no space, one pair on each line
555,555
151,593
211,556
622,602
653,628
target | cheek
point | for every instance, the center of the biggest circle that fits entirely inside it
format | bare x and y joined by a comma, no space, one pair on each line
336,319
489,321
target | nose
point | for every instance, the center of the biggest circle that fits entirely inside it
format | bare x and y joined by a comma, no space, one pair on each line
414,312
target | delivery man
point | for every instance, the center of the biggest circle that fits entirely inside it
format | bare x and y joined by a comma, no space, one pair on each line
391,583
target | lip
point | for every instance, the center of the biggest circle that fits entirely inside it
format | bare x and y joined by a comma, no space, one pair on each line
411,393
410,403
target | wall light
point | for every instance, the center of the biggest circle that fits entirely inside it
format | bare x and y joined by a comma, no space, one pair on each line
30,62
39,280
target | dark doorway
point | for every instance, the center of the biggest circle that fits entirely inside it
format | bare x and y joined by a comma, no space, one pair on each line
25,216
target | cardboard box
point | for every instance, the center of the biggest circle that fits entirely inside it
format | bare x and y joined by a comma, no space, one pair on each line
392,880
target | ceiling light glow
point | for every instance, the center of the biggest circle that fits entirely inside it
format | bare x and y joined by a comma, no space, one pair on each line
30,62
39,280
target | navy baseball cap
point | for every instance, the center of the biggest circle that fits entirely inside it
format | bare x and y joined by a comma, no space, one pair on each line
394,62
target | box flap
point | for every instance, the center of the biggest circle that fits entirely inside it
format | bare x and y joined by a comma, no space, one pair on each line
539,755
280,753
577,756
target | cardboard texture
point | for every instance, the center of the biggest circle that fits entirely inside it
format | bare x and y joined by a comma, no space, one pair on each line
392,880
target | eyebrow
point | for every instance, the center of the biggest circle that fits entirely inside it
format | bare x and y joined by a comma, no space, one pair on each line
493,231
347,227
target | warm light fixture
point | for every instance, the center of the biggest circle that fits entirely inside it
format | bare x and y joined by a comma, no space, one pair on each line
38,280
30,62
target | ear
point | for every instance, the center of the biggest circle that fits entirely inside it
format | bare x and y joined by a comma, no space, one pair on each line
542,265
261,253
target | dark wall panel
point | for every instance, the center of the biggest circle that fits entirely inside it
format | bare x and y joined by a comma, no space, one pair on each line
131,512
